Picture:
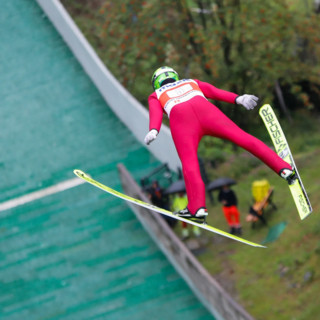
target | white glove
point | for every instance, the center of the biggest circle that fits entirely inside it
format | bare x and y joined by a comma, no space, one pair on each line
247,100
152,135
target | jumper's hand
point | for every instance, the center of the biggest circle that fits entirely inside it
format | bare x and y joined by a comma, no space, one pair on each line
247,100
152,135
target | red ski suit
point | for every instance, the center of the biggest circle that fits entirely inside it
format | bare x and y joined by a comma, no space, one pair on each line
191,117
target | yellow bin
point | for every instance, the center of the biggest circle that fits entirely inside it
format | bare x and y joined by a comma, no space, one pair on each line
260,189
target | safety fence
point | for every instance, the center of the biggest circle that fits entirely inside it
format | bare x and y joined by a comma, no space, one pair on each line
207,289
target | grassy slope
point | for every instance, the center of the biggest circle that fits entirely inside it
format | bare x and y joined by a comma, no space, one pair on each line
270,282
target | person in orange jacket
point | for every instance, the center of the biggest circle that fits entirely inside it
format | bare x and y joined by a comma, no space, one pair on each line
229,202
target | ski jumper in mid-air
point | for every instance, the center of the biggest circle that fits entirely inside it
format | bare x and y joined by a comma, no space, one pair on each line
191,117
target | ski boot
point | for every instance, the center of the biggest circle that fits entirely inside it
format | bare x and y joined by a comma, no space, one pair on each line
289,175
199,216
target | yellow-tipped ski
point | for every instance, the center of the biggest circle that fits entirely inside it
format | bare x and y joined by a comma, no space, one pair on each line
281,145
118,194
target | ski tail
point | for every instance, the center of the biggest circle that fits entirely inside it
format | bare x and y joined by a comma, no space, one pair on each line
282,148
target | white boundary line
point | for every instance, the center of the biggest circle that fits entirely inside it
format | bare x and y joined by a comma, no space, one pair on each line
65,185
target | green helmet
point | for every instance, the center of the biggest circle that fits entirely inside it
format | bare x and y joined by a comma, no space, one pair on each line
162,74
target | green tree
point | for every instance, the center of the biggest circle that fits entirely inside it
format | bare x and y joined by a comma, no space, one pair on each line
242,46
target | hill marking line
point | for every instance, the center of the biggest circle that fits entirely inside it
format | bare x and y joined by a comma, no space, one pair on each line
32,196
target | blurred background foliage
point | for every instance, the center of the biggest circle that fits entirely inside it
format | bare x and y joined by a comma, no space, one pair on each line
267,48
242,46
